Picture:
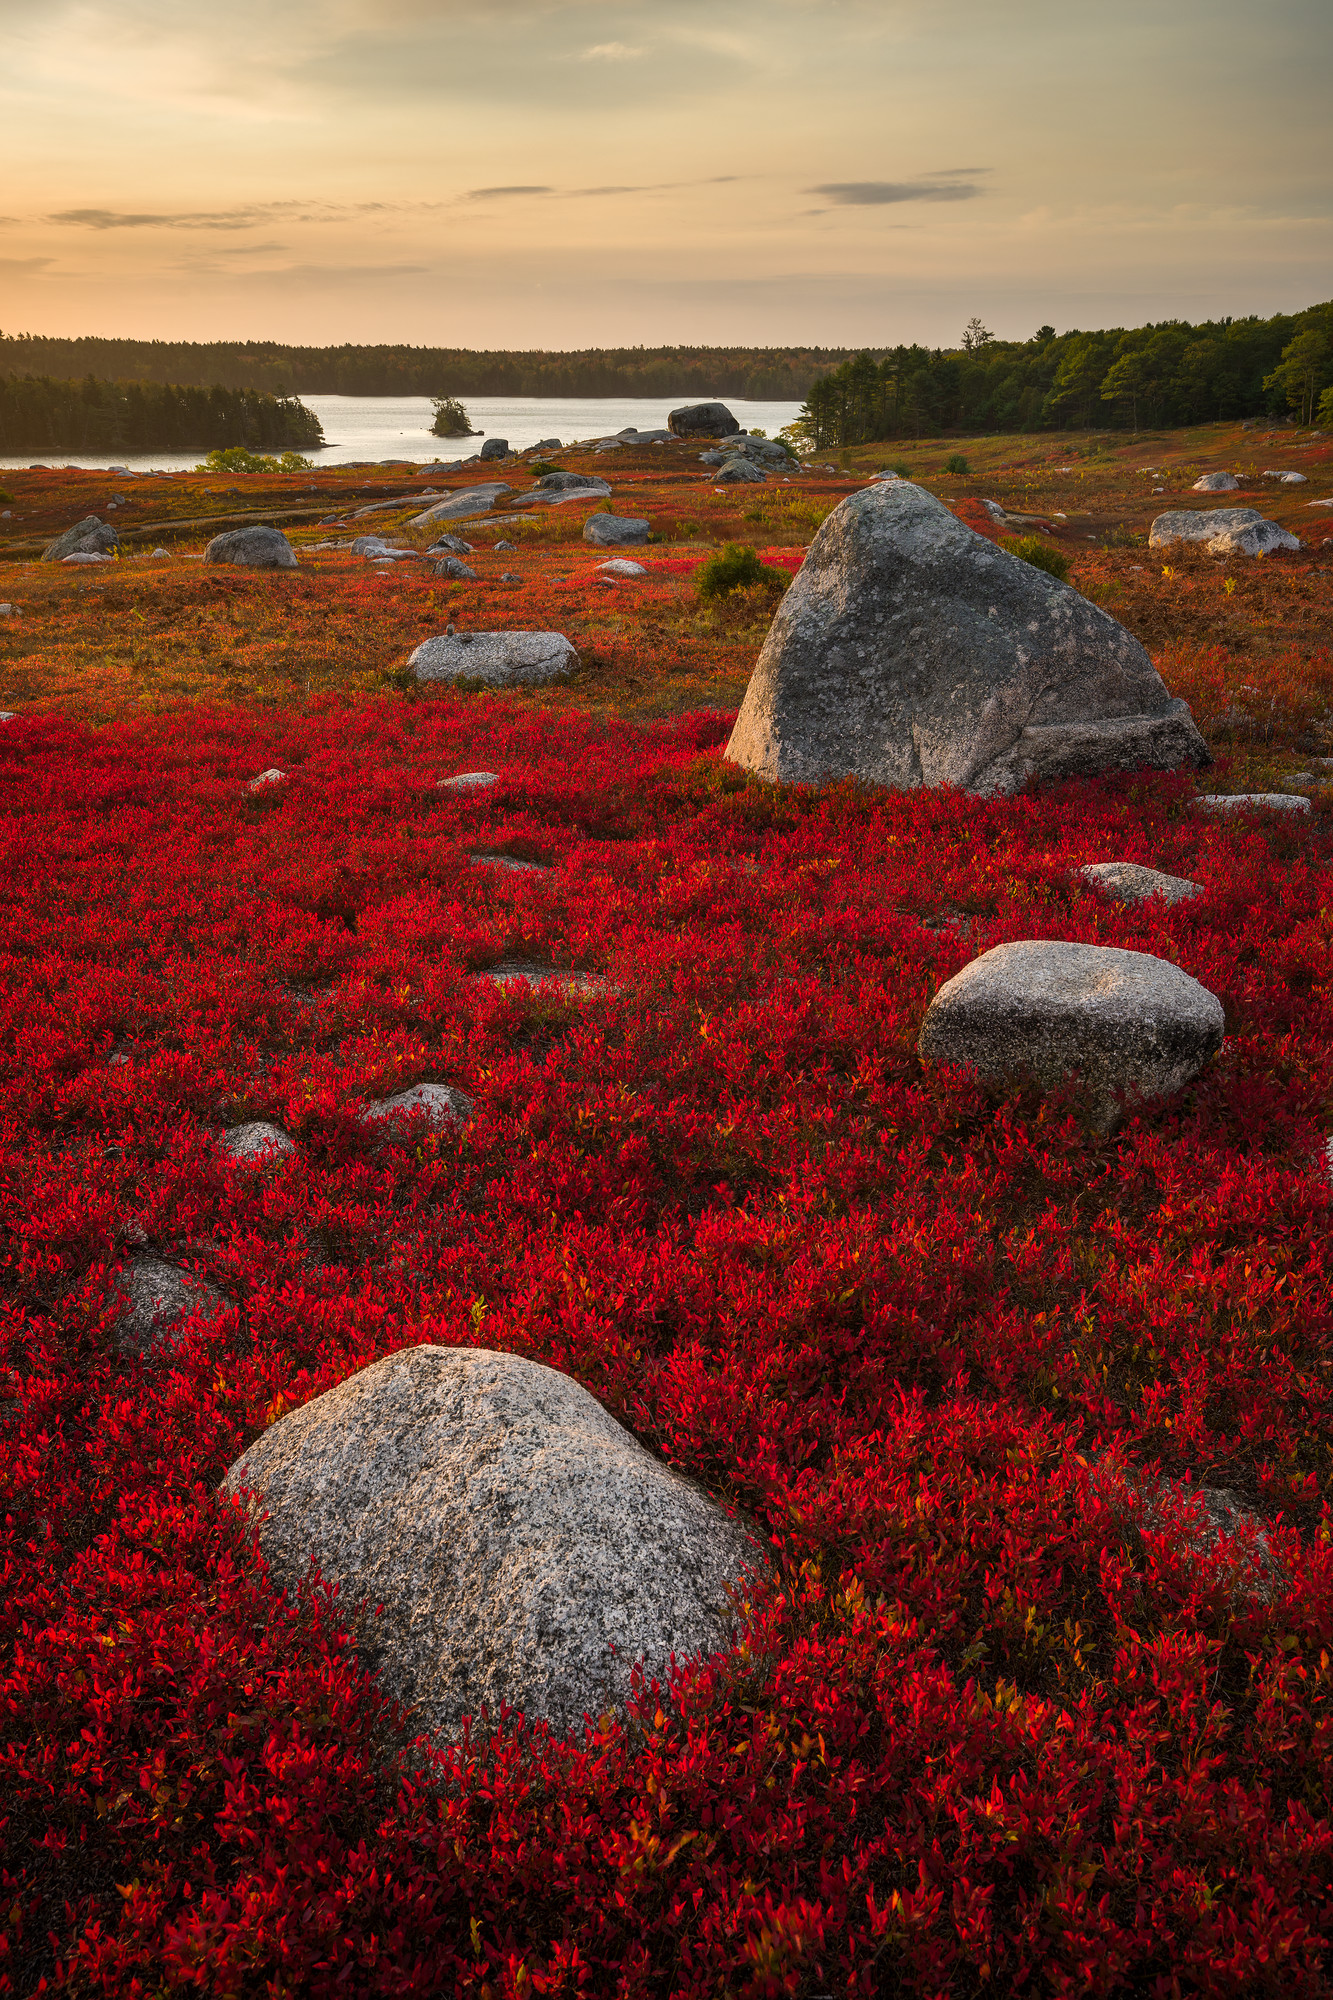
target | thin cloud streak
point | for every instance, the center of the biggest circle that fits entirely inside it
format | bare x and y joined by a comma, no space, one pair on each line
881,194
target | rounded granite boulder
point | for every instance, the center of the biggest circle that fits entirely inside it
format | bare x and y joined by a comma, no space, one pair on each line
506,1540
1126,1022
256,548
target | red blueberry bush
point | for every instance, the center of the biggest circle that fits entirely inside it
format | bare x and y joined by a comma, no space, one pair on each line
996,1724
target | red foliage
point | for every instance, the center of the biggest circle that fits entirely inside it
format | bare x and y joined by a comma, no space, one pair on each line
991,1728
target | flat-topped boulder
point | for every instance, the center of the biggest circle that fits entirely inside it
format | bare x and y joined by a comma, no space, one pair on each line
254,548
612,531
712,420
496,1536
498,659
1046,1010
1131,882
1224,531
910,651
442,1105
1229,802
470,500
1217,482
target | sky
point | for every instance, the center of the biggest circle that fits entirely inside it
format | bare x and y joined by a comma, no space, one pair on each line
515,174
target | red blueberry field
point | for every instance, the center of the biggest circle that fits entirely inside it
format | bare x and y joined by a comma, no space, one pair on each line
1008,1712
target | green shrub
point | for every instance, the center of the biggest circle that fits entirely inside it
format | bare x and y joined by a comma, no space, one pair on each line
540,466
235,458
736,567
903,470
5,497
957,465
1032,549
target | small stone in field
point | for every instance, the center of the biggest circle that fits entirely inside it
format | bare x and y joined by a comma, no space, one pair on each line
1288,478
1122,1020
467,781
736,471
438,1103
80,556
508,864
615,530
457,569
516,1545
621,566
526,972
573,482
256,1141
449,545
273,776
494,448
257,548
498,659
509,546
90,536
1224,802
1216,482
1130,882
160,1299
160,552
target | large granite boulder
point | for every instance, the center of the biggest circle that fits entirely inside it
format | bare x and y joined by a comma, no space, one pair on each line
498,659
1122,1020
258,548
712,420
510,1531
615,531
1224,531
88,537
494,448
911,651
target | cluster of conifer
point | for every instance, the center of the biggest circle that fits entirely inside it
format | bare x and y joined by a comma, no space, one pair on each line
39,413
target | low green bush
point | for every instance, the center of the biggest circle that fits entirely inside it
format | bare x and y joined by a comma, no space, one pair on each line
956,464
236,458
736,567
1032,549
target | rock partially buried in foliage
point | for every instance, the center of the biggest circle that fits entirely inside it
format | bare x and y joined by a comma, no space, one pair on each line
1225,802
256,1141
609,531
256,548
1216,482
266,779
621,567
1131,882
910,651
498,659
526,972
88,537
739,472
502,1531
1124,1021
712,420
455,568
440,1104
162,1299
467,781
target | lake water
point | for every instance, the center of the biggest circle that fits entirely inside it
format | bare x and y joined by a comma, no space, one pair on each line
376,428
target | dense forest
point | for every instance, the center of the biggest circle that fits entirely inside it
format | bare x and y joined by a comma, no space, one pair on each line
40,414
1165,374
781,374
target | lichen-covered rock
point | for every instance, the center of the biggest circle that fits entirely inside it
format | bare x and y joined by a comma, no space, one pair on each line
470,500
467,781
1226,802
910,651
509,1532
1131,882
1124,1021
88,537
257,548
497,659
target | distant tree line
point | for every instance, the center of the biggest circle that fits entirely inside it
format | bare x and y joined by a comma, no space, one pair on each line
1165,374
38,413
777,374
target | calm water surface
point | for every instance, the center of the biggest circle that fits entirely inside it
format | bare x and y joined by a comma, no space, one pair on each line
376,428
